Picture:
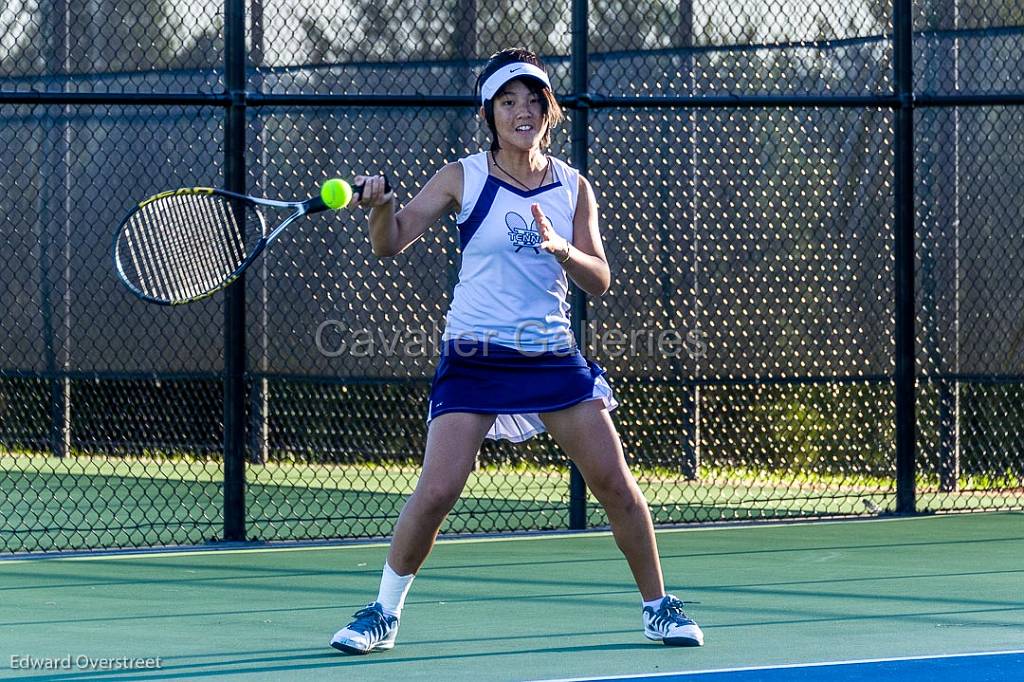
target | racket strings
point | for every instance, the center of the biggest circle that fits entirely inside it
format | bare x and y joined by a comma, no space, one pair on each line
182,246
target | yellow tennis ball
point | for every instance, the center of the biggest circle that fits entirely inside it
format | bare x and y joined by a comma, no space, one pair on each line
336,193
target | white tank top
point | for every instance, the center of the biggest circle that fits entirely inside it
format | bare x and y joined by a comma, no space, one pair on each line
510,292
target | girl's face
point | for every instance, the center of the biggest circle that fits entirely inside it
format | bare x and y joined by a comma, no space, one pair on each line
519,116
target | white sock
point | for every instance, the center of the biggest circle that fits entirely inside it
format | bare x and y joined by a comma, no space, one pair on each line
654,603
393,590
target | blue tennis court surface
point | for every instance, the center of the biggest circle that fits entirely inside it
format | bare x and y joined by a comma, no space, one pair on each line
980,667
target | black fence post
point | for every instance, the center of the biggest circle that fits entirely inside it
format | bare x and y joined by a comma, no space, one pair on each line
234,300
580,158
690,465
258,421
949,388
54,169
903,143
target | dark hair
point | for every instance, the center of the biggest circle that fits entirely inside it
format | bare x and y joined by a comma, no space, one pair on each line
552,112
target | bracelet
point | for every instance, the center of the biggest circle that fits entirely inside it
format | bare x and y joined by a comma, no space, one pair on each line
568,252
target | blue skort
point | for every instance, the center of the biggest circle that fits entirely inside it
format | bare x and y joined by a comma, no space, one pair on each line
516,386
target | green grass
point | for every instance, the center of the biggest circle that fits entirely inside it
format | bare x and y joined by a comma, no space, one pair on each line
85,501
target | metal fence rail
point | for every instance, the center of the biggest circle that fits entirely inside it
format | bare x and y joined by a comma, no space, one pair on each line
810,213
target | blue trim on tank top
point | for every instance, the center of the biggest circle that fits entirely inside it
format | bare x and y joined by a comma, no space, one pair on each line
524,192
486,200
476,218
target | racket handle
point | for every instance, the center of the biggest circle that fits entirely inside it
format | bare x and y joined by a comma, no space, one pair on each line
359,188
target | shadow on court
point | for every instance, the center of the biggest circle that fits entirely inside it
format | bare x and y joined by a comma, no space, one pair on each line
532,608
313,661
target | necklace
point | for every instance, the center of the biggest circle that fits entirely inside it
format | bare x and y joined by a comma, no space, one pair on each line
497,165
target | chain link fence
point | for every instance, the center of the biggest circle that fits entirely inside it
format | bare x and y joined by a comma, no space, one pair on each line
747,163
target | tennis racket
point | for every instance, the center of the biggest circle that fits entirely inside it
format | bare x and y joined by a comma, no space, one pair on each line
184,245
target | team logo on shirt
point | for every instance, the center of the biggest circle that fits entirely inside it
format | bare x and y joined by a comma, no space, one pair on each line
521,235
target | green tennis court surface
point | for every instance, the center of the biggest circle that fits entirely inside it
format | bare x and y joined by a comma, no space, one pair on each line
536,608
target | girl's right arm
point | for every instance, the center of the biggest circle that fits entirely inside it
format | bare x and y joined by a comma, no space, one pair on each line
391,232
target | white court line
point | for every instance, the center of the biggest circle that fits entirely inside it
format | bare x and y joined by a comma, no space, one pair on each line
336,545
821,664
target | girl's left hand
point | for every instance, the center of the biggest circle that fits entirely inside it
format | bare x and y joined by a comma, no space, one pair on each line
550,240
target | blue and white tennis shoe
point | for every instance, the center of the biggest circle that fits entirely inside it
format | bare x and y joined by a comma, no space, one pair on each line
372,630
668,624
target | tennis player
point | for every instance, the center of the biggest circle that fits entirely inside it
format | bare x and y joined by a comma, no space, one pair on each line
509,366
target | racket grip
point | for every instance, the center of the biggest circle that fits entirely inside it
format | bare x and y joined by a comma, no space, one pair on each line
359,188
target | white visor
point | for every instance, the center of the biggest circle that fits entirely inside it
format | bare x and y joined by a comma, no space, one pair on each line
509,72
